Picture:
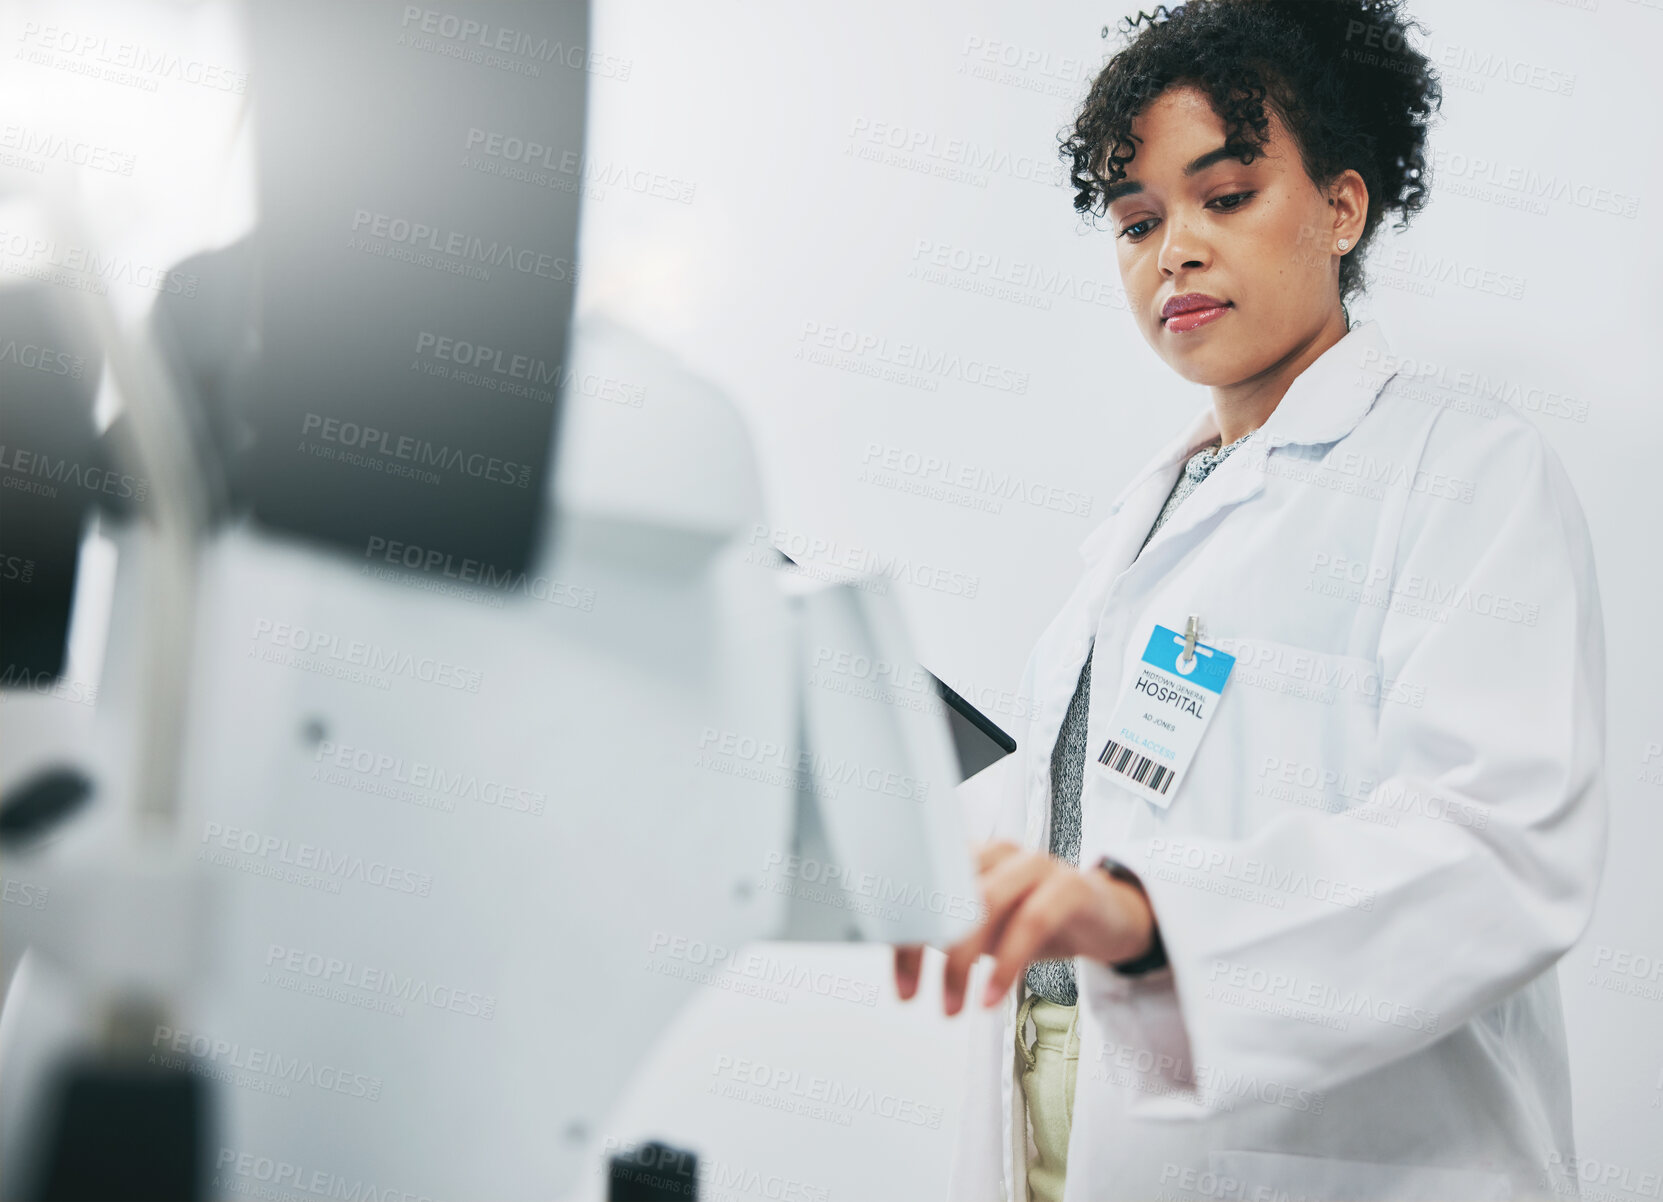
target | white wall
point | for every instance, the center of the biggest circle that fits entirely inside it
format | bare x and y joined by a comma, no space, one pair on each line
765,109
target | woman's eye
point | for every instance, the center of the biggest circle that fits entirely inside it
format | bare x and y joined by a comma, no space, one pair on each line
1240,198
1137,234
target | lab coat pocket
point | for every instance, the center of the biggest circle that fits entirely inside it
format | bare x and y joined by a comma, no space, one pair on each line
1286,1177
1295,727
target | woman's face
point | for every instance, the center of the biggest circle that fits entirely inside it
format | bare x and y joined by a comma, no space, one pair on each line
1261,238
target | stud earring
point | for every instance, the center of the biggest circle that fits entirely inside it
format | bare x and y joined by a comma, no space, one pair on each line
1344,243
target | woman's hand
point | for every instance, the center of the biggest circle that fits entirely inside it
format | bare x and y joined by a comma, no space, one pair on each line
1038,908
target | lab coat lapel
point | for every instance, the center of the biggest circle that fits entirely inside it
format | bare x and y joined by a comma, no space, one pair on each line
1115,542
1241,477
1107,551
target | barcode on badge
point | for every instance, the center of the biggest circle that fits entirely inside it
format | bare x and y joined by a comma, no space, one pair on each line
1141,768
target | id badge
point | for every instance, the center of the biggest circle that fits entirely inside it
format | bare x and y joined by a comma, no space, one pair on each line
1158,722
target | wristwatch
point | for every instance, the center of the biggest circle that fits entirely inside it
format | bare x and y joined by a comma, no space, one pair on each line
1155,957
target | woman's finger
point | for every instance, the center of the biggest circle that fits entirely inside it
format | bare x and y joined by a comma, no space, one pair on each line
909,964
1002,888
1007,879
990,854
961,957
1042,912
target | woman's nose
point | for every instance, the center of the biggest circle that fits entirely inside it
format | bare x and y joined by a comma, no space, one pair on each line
1183,248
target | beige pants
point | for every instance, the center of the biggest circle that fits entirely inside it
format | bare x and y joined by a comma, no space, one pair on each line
1050,1065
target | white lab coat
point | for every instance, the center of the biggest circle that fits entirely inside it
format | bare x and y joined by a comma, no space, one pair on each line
1392,830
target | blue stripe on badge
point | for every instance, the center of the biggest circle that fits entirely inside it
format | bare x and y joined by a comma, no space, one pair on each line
1211,668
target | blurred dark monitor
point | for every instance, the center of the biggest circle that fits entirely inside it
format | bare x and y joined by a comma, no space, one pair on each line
52,472
419,176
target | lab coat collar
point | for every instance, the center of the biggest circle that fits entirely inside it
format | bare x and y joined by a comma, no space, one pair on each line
1323,404
1327,400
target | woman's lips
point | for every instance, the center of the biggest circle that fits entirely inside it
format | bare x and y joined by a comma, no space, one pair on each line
1179,323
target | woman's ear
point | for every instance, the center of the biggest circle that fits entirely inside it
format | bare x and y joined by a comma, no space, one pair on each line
1348,197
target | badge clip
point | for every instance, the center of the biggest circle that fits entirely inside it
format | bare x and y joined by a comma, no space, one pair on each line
1192,631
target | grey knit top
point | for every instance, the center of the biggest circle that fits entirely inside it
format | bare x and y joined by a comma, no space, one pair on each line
1053,980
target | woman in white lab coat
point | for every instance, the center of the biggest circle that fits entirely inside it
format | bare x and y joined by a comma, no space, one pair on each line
1317,961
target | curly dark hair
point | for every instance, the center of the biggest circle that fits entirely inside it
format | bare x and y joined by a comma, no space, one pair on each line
1341,73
